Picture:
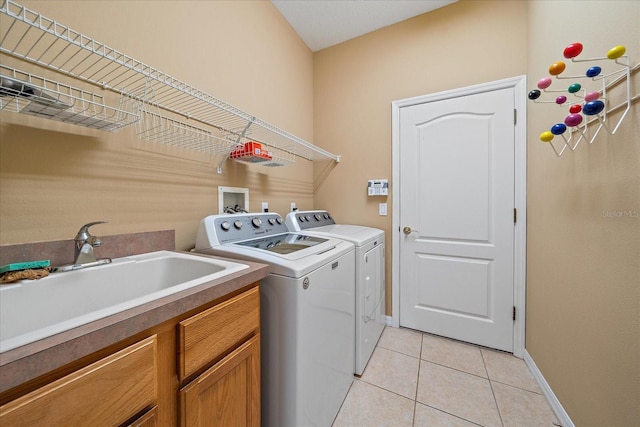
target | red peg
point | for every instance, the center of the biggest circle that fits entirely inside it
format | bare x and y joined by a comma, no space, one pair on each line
573,50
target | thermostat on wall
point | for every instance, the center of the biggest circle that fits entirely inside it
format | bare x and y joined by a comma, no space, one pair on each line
378,187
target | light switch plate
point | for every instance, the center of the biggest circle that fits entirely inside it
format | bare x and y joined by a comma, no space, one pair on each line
382,209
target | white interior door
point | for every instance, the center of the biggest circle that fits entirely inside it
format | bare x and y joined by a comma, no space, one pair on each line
456,215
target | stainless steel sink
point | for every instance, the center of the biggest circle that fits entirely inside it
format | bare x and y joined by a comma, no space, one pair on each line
33,310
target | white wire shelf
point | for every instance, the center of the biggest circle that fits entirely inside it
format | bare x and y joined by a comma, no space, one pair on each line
29,36
26,93
163,130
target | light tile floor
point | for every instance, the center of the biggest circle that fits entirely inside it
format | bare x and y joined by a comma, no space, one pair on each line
420,380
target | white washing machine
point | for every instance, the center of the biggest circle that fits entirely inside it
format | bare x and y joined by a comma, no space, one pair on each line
370,274
307,305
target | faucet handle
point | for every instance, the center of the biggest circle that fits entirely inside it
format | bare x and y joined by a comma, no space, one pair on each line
94,241
83,233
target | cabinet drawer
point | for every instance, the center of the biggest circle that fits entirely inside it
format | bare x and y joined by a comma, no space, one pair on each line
214,332
107,392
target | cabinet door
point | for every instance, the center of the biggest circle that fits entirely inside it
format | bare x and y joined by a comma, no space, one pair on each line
107,392
227,394
149,419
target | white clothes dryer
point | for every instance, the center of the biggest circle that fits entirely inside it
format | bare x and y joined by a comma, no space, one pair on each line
307,309
370,274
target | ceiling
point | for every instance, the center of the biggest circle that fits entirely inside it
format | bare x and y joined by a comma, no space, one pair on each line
324,23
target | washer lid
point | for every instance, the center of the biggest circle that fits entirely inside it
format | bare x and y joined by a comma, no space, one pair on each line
320,223
284,243
294,264
357,234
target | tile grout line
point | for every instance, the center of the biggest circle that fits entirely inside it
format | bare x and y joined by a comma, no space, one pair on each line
344,400
491,386
455,369
384,389
523,388
415,395
399,352
516,387
453,415
463,372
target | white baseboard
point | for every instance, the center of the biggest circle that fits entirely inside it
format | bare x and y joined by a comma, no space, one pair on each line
389,320
555,404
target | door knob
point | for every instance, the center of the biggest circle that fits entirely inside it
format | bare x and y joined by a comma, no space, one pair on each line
408,230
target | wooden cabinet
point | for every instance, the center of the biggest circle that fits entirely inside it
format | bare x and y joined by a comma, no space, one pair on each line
227,394
199,369
110,391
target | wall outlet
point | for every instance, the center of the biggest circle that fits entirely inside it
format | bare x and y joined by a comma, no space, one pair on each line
265,207
293,206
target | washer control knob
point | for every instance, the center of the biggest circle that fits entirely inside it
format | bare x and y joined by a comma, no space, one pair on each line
257,222
272,221
317,217
301,218
307,217
225,226
326,216
237,224
279,220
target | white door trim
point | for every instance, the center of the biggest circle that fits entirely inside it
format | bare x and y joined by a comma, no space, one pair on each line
520,162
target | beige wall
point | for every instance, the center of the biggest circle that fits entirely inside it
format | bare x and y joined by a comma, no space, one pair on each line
55,177
356,81
583,275
583,271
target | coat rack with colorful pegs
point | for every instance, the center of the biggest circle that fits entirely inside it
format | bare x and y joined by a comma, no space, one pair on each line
591,103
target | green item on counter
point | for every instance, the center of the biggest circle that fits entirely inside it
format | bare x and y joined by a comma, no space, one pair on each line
17,266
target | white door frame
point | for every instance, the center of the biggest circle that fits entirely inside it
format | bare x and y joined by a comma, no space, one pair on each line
520,232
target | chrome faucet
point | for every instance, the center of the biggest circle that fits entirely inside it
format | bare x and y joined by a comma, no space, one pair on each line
83,251
85,243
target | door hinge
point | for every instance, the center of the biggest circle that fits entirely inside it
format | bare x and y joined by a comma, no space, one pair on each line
515,215
514,313
515,116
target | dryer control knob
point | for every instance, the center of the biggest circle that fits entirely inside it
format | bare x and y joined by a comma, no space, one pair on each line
256,222
279,220
307,217
272,221
237,224
317,217
225,226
